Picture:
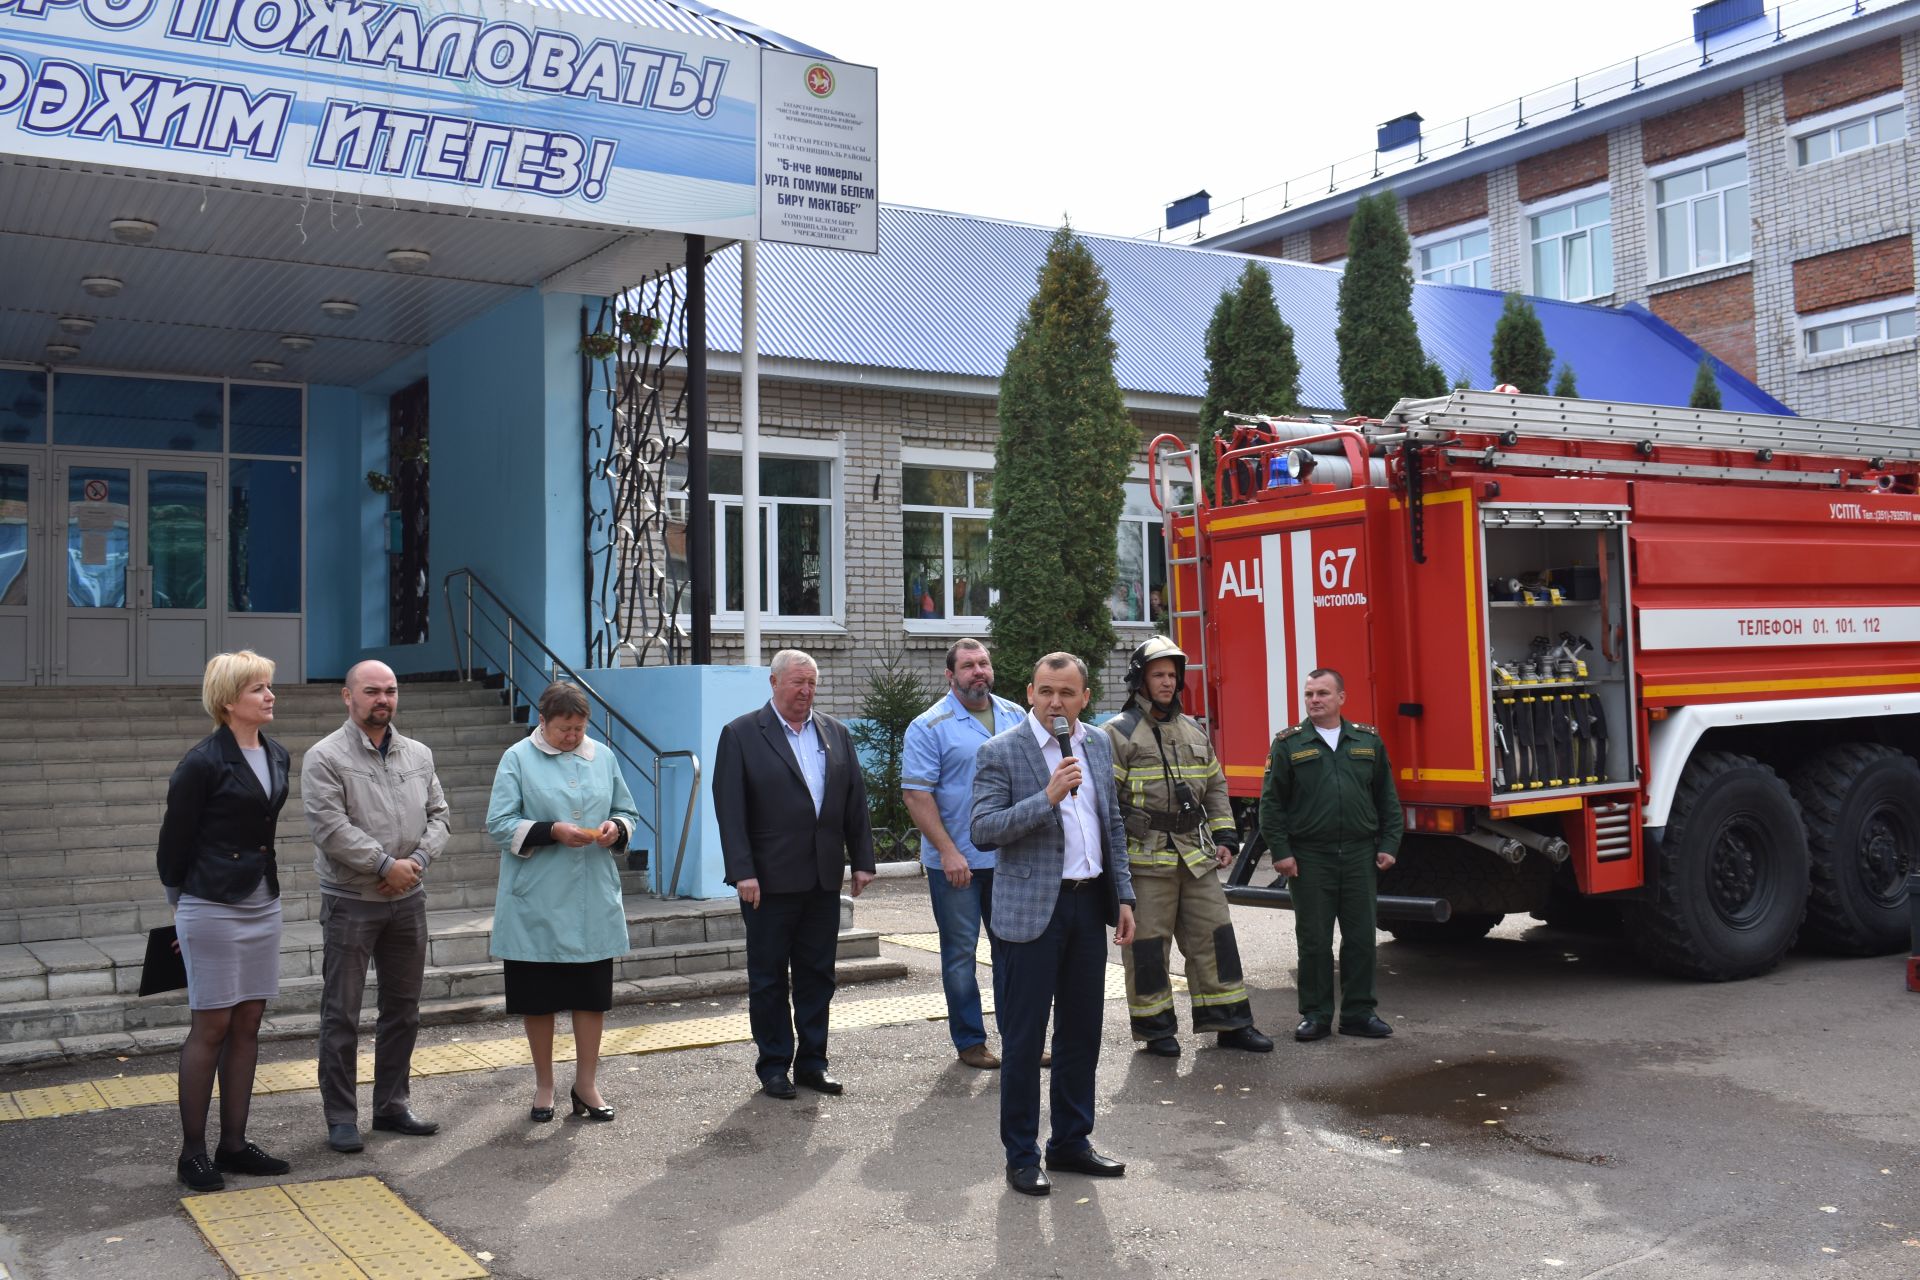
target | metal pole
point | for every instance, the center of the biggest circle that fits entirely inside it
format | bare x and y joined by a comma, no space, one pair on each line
699,504
509,666
467,673
750,544
657,867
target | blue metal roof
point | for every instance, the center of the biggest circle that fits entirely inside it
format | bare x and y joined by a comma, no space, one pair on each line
946,292
686,16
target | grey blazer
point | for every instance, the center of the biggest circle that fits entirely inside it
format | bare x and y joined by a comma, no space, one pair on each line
1011,814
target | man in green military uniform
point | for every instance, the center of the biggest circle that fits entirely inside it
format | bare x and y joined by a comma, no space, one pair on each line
1332,822
1180,831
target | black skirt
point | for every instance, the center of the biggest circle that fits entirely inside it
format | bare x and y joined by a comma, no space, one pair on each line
536,987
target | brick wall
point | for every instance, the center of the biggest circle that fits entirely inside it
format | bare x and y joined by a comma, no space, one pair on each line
1268,249
1330,239
1861,73
871,426
1883,269
1705,124
1578,164
1447,206
1718,315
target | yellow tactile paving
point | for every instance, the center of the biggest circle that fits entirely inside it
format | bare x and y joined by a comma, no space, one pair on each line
137,1091
345,1228
58,1100
461,1056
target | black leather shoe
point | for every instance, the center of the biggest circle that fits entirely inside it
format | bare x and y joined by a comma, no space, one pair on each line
819,1082
580,1108
1373,1028
779,1087
1311,1029
200,1175
250,1160
1248,1038
1029,1180
540,1115
1164,1047
343,1137
408,1123
1089,1162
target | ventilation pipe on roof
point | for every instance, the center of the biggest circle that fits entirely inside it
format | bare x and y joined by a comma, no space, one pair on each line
1189,209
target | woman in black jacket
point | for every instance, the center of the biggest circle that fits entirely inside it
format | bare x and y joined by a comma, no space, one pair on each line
216,860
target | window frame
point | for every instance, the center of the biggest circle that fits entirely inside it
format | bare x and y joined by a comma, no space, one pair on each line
971,461
1845,318
1867,110
1458,231
808,448
1702,161
1153,536
1554,204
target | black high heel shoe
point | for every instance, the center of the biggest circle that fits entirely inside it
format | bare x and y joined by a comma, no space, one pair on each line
540,1115
592,1113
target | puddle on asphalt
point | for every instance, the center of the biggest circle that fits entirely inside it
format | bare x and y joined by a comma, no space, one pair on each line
1487,1099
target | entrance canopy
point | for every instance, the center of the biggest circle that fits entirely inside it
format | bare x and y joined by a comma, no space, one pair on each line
313,190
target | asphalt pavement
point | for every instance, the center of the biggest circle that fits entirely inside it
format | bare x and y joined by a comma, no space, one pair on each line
1547,1108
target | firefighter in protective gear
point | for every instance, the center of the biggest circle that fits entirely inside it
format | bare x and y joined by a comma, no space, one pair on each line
1180,830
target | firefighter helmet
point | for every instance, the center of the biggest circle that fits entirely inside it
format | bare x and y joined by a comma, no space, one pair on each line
1149,650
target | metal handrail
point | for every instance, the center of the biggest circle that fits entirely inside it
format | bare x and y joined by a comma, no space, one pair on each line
516,631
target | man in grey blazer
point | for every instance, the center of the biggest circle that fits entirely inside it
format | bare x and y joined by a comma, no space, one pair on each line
1062,880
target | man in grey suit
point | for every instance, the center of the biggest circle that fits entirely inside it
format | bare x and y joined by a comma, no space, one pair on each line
1062,880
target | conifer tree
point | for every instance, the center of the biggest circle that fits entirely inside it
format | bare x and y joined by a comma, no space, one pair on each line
1433,379
1380,356
1521,355
1461,382
1251,365
1706,387
1564,385
1060,467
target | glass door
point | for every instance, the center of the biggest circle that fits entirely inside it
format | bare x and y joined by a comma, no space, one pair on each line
141,580
22,557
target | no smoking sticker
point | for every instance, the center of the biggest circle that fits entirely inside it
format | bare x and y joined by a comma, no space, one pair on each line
96,490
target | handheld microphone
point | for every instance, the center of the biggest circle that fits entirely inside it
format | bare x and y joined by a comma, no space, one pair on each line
1063,734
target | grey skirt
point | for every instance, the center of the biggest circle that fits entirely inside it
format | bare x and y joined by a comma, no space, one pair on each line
232,950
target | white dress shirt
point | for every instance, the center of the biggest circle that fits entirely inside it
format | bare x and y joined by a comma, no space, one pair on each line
1079,815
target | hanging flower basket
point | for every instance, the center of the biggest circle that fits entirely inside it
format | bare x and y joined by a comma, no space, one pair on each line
599,346
640,328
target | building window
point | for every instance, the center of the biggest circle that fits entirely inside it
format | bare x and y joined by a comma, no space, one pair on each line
944,516
1140,577
1573,249
1862,326
1856,133
1701,217
1458,258
795,528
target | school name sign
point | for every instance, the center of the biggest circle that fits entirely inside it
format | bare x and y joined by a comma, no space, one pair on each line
495,104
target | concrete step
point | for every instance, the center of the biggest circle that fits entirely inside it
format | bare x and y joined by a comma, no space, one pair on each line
60,763
73,700
467,727
56,800
282,1027
23,794
133,849
76,1006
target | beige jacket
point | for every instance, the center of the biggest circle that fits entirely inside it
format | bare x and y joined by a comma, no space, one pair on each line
365,810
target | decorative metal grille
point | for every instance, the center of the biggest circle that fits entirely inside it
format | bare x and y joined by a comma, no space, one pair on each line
636,527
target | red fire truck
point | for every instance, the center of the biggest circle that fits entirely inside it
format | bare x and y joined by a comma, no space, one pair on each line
1664,658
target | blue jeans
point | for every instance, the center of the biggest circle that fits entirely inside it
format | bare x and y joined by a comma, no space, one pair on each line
959,914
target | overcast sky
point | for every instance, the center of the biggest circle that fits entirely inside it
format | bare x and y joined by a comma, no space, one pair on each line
1105,112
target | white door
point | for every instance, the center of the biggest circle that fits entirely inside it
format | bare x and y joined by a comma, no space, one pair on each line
23,559
142,570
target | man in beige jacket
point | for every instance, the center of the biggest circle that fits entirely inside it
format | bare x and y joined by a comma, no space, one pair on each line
378,818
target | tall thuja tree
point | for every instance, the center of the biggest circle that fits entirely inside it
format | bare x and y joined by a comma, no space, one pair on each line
1380,356
1706,387
1060,467
1564,386
1521,355
1251,364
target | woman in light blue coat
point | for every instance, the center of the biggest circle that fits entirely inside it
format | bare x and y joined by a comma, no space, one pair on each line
561,814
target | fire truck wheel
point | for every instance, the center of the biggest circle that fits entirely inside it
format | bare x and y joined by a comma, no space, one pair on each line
1862,804
1727,877
1469,927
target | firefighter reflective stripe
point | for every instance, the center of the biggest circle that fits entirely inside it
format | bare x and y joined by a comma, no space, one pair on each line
1152,1007
1232,996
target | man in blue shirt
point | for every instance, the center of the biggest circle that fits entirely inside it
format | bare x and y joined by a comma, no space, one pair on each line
937,784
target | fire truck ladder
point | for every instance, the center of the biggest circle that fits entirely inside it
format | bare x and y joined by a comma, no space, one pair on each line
1511,419
1186,457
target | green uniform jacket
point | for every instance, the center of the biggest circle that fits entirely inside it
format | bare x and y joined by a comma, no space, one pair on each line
1142,768
1329,800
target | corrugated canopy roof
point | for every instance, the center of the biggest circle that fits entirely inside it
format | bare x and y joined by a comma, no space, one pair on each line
946,291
